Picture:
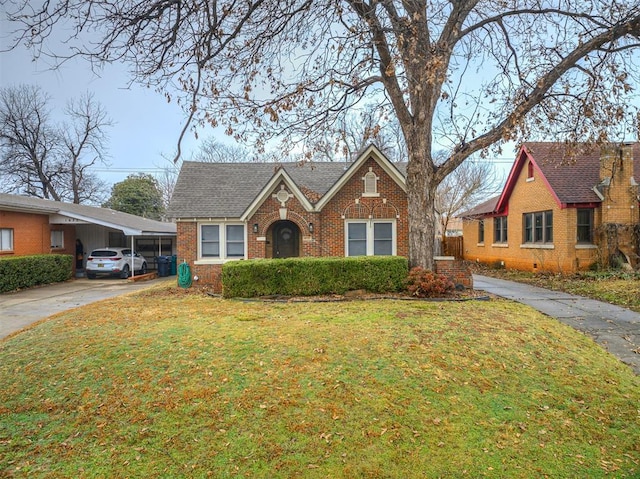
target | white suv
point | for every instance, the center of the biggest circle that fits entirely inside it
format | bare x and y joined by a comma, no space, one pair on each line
114,261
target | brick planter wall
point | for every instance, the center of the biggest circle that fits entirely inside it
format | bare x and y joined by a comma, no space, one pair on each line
456,270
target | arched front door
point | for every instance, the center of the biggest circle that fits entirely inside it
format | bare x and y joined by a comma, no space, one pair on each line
286,239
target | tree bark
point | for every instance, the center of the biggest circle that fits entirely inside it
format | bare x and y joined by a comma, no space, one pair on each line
421,194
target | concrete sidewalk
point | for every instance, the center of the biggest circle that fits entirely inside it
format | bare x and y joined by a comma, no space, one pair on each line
614,328
20,309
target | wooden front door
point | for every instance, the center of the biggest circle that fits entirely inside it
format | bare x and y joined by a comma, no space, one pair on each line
286,240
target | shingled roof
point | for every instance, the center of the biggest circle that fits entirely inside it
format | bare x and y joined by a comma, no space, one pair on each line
572,173
485,208
226,190
129,224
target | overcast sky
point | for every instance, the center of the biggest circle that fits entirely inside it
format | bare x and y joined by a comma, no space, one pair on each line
145,125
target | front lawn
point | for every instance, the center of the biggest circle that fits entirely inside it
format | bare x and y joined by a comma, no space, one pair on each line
192,386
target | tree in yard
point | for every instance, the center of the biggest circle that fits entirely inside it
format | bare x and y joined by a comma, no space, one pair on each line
138,194
46,160
461,75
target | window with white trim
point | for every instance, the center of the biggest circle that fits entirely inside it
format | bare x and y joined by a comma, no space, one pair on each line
370,238
6,239
220,241
57,239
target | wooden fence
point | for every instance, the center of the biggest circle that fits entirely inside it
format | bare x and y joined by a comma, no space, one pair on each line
453,246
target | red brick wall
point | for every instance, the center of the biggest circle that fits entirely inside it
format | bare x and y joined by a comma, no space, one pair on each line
32,234
332,232
456,270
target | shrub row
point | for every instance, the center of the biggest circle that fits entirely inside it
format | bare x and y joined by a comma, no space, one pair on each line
313,276
18,272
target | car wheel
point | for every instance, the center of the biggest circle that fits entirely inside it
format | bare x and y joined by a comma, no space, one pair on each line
91,276
124,274
143,270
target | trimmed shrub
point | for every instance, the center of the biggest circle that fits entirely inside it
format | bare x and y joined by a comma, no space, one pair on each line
17,272
427,284
313,276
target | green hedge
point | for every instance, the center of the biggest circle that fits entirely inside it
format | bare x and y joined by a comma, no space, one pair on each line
313,276
17,272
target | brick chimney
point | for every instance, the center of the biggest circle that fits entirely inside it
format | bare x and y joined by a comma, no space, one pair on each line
618,190
616,178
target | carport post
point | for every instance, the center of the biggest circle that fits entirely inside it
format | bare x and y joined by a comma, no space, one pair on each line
133,269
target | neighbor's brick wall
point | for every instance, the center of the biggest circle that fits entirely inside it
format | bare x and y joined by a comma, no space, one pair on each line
32,234
529,197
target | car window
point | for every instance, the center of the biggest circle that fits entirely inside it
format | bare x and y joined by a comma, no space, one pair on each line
103,253
126,252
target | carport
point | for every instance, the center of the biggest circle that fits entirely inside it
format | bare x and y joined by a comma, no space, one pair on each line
108,228
34,223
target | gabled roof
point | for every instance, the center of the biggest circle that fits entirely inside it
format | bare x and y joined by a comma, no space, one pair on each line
131,225
483,209
235,190
570,172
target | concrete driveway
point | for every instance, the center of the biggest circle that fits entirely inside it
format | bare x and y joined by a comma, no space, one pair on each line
20,309
614,328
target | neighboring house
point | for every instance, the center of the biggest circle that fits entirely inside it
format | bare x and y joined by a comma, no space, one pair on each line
234,211
35,226
562,209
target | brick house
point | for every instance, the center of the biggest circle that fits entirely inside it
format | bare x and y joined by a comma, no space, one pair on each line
234,211
36,226
561,209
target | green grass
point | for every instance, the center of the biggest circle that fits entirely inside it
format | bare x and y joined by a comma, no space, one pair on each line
615,287
192,386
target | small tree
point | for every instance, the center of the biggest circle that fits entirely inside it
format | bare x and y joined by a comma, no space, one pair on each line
138,194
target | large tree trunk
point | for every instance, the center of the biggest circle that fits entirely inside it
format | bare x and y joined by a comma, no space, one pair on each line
421,195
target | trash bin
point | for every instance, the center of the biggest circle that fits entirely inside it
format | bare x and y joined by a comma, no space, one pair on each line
163,265
173,268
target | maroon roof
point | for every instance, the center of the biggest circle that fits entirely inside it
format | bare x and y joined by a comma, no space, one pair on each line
482,209
571,172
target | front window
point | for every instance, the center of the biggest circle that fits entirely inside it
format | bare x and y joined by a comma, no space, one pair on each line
357,239
370,238
6,239
57,239
210,241
235,241
382,239
481,231
500,229
219,241
538,227
585,226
